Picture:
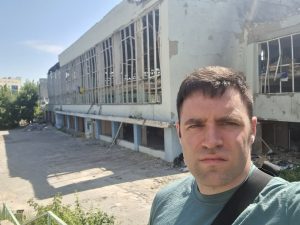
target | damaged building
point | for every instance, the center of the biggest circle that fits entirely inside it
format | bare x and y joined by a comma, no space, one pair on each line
118,82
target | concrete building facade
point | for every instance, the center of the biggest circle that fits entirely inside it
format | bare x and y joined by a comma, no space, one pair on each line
118,82
43,91
13,83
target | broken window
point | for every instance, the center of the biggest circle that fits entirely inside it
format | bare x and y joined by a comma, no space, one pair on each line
151,59
279,65
90,78
82,80
107,56
128,75
69,82
86,85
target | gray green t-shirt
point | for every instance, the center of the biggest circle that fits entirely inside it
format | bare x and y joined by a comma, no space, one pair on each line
181,203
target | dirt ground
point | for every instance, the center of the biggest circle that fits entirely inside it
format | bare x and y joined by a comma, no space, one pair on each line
40,163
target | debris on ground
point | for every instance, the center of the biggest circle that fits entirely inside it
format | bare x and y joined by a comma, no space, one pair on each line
284,158
35,127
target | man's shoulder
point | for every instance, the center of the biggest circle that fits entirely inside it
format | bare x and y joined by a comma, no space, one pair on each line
280,187
277,203
279,183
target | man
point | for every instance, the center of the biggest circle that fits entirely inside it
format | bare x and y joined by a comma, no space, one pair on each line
216,129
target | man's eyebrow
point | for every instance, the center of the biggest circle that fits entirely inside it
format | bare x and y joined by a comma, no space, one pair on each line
231,117
193,121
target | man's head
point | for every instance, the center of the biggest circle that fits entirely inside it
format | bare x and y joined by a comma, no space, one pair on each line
216,127
213,81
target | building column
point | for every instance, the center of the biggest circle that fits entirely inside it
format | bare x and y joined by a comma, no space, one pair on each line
59,121
76,123
137,136
172,144
98,129
53,117
114,128
68,122
88,127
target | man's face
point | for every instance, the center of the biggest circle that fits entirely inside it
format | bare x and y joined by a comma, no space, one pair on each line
216,137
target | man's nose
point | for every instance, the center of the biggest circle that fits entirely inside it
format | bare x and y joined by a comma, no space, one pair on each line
212,138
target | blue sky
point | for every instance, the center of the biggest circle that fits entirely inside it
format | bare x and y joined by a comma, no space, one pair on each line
34,32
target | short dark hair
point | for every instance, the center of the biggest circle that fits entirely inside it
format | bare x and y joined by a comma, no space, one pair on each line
213,81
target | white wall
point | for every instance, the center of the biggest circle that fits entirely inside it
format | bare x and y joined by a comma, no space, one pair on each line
203,33
278,107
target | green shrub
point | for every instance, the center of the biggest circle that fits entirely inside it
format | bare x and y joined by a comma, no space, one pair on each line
291,174
71,215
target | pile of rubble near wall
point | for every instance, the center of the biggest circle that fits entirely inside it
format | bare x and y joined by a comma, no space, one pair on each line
284,158
35,127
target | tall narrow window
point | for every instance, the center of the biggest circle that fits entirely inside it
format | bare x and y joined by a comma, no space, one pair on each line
152,74
108,71
128,76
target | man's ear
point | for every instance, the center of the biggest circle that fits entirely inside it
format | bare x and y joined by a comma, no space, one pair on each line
253,128
178,130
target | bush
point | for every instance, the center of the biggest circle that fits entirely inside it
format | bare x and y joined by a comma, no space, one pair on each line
71,216
291,174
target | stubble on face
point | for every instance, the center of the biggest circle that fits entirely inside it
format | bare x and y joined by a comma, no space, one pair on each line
234,140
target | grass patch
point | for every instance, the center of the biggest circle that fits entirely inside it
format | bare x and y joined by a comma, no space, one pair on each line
290,174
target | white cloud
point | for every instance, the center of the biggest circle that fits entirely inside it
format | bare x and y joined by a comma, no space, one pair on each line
44,47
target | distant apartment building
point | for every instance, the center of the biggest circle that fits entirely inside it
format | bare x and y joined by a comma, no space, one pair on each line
118,82
43,91
13,83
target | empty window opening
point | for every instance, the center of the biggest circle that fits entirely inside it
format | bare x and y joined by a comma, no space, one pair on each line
127,132
282,139
81,127
294,130
106,128
64,121
153,137
72,123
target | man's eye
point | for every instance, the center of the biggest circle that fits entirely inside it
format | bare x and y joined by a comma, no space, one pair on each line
230,123
194,126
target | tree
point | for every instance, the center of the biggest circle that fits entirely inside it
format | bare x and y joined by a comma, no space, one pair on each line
27,101
8,110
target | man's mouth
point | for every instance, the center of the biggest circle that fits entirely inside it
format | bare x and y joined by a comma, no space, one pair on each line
213,160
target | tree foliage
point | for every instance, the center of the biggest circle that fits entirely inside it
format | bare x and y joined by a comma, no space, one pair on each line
8,111
27,101
17,106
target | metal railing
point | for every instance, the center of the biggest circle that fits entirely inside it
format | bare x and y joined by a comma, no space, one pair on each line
50,217
7,214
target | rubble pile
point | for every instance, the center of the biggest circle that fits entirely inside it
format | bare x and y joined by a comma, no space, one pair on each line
284,158
35,127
